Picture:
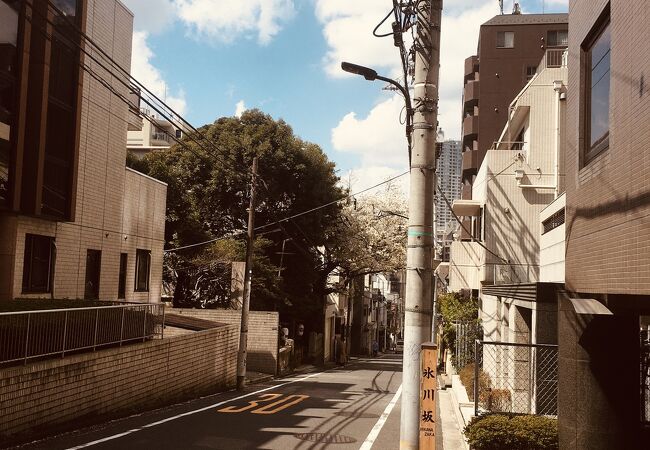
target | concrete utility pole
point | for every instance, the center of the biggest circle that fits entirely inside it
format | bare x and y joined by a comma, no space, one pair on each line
419,275
243,333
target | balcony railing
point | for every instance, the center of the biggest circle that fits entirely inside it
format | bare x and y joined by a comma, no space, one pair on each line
555,57
160,137
28,335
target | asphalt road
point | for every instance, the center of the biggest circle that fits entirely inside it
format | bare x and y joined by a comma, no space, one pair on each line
354,407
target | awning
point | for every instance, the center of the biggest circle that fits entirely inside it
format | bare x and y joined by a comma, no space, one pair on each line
466,207
590,306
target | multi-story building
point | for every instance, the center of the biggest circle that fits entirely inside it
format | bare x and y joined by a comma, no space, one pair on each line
516,182
510,48
156,134
74,221
448,178
604,361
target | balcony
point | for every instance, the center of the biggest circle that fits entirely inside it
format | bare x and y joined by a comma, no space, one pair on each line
161,138
471,161
555,57
470,126
471,67
471,93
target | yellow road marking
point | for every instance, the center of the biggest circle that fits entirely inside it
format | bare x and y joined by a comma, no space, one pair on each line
251,404
280,404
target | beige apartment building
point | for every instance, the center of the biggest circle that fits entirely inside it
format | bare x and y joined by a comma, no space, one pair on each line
74,221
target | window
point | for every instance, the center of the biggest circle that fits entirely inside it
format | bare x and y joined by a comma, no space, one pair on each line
557,38
596,81
554,221
8,71
38,265
61,112
142,266
530,72
505,39
121,288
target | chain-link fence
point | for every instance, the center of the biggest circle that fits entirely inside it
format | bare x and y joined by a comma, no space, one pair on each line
515,378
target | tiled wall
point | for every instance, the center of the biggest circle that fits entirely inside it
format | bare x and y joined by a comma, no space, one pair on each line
44,395
262,334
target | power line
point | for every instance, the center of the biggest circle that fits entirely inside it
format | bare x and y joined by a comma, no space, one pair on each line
261,227
465,228
220,157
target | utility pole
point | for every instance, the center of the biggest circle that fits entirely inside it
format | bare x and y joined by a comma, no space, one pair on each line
243,333
419,275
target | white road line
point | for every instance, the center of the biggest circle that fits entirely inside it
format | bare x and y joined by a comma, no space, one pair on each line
374,433
189,413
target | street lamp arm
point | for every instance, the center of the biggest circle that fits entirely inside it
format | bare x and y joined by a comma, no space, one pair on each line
401,88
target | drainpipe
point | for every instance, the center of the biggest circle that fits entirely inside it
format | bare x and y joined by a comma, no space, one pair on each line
557,86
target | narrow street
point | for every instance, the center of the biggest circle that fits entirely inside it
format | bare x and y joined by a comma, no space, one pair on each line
348,408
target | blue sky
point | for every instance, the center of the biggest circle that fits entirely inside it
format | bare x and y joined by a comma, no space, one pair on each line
212,58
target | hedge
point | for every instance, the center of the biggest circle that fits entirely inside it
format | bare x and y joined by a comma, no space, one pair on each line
520,432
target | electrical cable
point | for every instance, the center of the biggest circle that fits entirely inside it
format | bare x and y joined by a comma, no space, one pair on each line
116,65
465,228
309,211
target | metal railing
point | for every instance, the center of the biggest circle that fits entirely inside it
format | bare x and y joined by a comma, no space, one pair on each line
27,335
556,57
515,378
160,136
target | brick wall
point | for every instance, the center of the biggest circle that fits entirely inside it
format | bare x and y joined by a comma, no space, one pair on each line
43,396
608,200
262,334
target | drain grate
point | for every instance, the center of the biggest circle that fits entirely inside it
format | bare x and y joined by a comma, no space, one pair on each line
326,438
361,415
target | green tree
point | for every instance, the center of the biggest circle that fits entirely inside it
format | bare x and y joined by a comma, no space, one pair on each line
208,195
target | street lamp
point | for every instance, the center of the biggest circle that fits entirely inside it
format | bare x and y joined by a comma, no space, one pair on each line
371,75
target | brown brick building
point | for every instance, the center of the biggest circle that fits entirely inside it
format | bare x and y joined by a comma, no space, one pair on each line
510,49
603,319
74,221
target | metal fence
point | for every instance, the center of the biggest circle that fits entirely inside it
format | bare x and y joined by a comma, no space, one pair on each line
28,335
466,334
515,378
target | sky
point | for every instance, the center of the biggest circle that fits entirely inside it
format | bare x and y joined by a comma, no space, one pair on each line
215,58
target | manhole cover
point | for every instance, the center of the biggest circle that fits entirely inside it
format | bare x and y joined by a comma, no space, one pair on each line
326,438
357,415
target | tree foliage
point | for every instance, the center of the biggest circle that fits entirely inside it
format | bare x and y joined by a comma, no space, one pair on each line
208,196
370,236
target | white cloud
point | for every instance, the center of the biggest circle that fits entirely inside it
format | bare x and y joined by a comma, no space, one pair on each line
368,176
143,70
459,39
377,138
152,16
347,27
227,20
240,107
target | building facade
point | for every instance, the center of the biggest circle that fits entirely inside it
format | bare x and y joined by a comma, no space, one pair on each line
604,399
510,49
448,172
74,221
156,134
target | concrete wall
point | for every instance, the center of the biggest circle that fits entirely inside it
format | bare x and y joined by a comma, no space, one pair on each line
552,246
82,389
262,334
466,266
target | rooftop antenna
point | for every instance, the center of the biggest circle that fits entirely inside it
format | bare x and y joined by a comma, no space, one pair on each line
501,6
